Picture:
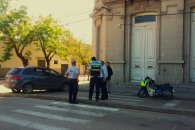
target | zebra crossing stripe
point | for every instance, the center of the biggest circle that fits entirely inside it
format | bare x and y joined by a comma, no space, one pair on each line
46,127
95,114
51,116
172,103
29,124
86,106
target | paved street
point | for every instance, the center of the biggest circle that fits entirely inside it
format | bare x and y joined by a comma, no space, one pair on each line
122,99
27,113
123,111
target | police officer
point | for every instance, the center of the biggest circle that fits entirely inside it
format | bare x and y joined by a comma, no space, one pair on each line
94,71
73,73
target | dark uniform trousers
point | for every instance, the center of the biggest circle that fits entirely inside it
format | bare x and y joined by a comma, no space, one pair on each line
94,81
104,90
73,89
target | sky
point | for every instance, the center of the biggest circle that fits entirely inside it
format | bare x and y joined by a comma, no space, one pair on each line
73,14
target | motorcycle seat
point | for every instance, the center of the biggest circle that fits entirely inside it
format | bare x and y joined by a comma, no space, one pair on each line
166,84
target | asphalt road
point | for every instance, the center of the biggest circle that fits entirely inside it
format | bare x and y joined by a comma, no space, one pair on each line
26,113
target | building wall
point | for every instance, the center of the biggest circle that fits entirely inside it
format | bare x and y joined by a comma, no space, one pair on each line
110,47
171,42
36,55
173,37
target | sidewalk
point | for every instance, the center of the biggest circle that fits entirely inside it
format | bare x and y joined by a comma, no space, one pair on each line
182,91
124,96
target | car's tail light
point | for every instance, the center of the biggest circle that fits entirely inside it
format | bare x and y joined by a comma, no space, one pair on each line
16,77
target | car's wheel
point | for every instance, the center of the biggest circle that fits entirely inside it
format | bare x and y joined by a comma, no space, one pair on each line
27,88
65,87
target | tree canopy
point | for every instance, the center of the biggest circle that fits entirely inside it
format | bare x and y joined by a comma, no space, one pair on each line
50,36
4,4
18,33
16,29
79,51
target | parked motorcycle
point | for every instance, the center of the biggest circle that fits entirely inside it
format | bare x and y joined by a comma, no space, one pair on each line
153,90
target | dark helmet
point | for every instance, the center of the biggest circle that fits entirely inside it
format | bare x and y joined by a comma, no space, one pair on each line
150,80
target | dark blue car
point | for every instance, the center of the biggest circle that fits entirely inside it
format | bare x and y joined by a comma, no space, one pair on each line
29,78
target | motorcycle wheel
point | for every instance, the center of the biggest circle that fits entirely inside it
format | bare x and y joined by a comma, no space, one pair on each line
142,94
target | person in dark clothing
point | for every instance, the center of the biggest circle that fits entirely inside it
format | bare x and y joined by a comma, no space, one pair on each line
110,73
95,80
104,75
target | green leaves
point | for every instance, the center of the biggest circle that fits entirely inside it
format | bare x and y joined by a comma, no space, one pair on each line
79,51
16,29
46,34
7,53
51,37
4,4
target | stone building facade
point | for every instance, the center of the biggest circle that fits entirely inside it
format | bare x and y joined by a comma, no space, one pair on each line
142,38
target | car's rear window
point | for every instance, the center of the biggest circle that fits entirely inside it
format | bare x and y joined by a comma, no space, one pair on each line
14,71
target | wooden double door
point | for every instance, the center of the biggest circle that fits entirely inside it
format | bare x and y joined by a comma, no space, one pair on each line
143,52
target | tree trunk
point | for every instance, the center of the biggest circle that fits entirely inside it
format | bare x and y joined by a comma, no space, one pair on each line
24,62
23,59
48,63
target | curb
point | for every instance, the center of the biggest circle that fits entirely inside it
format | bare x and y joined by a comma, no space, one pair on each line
185,112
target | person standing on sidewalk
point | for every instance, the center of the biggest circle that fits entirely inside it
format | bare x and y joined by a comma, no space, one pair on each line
104,75
94,71
110,73
73,73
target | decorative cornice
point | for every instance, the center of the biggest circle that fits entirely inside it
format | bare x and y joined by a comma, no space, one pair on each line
117,62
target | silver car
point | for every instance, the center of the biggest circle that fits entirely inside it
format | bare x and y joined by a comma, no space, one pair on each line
28,79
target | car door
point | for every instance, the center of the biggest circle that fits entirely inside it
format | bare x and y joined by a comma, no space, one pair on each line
39,79
55,79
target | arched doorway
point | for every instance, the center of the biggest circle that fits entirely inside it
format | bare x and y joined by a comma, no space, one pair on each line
143,47
192,63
